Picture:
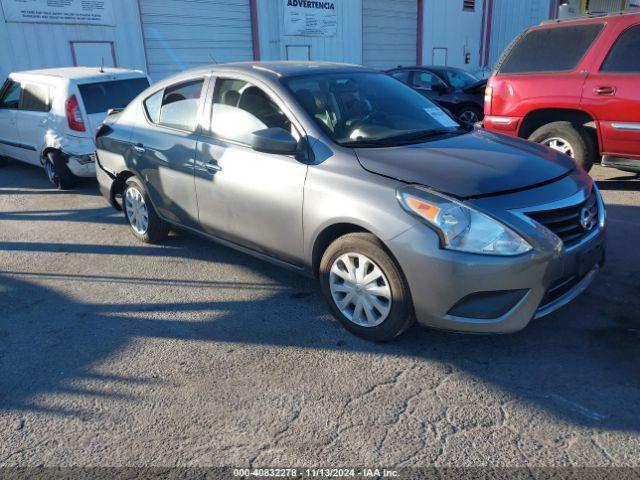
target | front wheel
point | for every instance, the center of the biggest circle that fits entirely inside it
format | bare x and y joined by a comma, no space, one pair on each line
469,115
365,288
568,138
144,222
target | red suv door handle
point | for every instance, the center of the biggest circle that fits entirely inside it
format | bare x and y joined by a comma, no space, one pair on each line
604,90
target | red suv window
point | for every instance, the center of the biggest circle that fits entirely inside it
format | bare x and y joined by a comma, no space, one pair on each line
624,56
557,49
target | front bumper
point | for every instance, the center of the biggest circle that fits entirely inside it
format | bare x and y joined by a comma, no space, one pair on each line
540,281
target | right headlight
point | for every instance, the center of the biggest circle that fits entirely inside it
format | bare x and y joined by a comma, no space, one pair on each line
461,227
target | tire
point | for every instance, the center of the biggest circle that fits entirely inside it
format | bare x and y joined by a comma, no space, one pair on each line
4,161
399,316
577,141
58,172
137,207
469,114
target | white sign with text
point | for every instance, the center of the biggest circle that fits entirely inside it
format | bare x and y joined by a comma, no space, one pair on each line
83,12
310,18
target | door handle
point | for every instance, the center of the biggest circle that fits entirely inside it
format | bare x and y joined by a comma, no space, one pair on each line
139,148
605,90
212,167
43,122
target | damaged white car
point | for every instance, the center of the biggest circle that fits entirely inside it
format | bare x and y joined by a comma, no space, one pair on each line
48,117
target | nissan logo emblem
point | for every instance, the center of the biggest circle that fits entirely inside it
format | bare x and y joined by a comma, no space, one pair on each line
588,218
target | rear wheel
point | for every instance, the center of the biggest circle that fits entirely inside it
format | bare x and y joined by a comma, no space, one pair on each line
58,172
365,288
568,138
144,222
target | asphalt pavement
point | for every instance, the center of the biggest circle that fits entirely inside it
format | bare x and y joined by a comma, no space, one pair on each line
117,353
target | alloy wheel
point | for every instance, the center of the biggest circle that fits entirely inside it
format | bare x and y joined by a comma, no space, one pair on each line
51,173
468,117
136,210
360,290
559,144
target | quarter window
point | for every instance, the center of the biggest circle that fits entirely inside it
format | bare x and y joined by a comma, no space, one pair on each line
624,56
239,109
152,106
11,97
35,98
403,76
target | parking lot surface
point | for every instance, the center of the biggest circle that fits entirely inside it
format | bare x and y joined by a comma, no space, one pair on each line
117,353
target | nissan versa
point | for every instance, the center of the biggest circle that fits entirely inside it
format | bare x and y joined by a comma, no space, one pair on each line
349,175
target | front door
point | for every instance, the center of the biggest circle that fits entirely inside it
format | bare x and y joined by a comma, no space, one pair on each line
9,103
32,121
612,95
250,198
166,147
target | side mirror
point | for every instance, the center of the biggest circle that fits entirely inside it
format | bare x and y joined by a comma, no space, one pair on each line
274,140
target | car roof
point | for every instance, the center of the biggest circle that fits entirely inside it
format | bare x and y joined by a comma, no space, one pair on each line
632,15
81,73
281,69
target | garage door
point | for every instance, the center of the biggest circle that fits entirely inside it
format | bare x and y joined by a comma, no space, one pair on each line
181,34
390,32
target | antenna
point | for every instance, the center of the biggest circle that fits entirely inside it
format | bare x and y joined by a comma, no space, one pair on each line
102,65
213,59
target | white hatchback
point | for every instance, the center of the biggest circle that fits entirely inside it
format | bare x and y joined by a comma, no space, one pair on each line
48,117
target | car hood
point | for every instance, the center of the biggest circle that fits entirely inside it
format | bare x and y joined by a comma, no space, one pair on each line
476,87
474,164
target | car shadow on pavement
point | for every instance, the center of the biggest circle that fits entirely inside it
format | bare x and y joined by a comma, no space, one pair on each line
580,364
19,178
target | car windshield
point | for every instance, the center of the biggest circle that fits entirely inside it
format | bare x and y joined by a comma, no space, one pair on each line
99,97
460,79
367,109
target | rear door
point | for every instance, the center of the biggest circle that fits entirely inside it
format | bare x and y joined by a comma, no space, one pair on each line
32,120
165,142
9,103
612,95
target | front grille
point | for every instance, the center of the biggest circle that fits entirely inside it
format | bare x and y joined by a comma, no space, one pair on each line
560,288
570,224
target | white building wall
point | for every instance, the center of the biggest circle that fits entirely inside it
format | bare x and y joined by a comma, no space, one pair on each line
510,19
449,34
25,46
345,46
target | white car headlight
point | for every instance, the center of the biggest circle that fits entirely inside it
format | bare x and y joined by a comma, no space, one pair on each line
461,227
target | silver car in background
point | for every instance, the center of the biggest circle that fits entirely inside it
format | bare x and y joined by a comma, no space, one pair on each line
348,175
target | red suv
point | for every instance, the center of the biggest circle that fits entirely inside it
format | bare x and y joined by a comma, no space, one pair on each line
574,86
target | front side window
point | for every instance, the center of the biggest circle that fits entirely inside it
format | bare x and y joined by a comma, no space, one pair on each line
35,98
460,79
176,106
557,49
11,97
369,109
239,109
624,56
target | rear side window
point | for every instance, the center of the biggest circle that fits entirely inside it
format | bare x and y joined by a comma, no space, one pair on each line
402,75
101,96
624,56
557,49
176,106
35,98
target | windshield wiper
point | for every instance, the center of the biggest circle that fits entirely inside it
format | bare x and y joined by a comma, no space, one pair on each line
403,138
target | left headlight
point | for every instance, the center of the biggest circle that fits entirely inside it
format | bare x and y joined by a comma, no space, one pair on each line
461,227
